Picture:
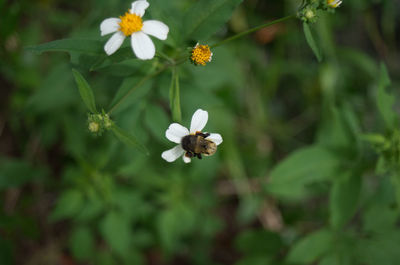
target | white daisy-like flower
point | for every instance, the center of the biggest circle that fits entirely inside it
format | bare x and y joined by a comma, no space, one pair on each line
131,24
191,143
334,3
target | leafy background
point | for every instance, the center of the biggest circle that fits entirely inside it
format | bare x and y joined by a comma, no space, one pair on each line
308,172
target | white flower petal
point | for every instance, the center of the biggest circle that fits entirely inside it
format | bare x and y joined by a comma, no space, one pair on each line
142,46
114,43
199,120
172,154
155,28
138,7
109,25
186,159
175,132
216,138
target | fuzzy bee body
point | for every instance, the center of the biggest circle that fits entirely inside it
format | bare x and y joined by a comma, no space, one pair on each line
197,144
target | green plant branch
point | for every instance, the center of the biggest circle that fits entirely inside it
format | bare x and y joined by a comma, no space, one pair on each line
141,82
144,79
244,33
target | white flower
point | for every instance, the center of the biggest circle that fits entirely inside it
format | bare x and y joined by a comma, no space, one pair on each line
131,24
176,133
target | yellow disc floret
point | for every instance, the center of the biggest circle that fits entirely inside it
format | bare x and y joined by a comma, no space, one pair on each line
130,23
201,54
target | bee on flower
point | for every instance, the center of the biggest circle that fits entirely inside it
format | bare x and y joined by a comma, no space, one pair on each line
193,143
201,54
131,24
334,3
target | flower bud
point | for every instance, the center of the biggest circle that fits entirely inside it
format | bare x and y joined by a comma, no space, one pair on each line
94,127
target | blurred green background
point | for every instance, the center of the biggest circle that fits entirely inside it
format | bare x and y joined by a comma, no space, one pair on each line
308,173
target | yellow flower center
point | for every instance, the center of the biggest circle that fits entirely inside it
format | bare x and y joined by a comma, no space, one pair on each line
201,54
130,23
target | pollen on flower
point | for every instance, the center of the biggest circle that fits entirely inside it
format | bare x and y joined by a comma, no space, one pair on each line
334,3
130,23
201,54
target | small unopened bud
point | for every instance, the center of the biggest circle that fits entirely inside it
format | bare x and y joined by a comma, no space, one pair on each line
107,121
94,127
97,123
309,14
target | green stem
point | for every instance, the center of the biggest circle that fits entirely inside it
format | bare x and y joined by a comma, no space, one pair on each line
244,33
164,56
143,80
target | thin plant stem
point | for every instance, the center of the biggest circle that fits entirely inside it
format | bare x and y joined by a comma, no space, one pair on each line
244,33
164,56
143,80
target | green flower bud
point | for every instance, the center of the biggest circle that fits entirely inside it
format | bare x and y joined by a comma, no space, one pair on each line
94,127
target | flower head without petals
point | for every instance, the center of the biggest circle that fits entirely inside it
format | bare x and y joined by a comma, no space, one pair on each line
193,142
131,25
201,54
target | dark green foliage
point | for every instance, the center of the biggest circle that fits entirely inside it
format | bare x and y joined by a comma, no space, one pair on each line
308,171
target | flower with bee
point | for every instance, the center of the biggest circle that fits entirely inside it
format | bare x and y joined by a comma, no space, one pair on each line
193,142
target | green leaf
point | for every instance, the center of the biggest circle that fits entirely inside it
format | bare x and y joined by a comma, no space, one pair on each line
344,198
174,97
85,91
128,139
311,41
70,45
205,17
381,248
82,243
396,182
259,259
115,229
342,258
91,210
334,131
68,205
156,120
14,173
386,100
308,249
174,223
253,242
379,214
54,93
289,179
132,97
